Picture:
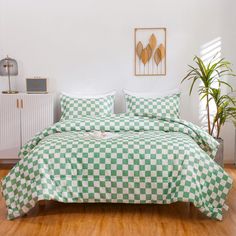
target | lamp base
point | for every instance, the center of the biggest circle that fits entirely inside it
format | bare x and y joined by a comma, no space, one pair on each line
10,92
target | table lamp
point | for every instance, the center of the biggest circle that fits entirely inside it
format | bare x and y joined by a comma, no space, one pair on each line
8,67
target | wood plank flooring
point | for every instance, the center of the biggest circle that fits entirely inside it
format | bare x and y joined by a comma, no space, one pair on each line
117,219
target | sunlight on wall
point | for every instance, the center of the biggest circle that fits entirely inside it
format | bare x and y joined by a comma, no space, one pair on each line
207,52
210,49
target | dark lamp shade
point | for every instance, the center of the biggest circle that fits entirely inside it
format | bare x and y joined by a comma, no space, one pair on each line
8,66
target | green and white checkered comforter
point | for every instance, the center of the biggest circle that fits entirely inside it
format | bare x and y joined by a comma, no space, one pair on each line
150,160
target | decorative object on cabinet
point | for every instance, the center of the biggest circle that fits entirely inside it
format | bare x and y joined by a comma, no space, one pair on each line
36,85
150,51
8,67
21,117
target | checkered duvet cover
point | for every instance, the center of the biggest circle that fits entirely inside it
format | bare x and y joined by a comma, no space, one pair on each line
149,160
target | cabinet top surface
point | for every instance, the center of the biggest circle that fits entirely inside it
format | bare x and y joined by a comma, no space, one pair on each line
26,94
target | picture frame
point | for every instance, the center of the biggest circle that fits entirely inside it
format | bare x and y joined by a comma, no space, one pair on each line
150,51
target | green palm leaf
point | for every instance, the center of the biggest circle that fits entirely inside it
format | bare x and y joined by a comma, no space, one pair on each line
209,75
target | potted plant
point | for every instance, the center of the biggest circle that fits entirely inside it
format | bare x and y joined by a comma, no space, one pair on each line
211,80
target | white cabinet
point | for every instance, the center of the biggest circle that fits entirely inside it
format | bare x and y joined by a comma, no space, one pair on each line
10,138
21,117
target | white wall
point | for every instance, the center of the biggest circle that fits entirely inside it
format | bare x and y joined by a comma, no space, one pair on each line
228,26
89,45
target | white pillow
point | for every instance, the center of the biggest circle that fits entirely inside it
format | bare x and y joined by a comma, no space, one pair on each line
81,95
152,95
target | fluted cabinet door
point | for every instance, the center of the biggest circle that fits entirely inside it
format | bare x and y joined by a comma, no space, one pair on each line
36,114
10,126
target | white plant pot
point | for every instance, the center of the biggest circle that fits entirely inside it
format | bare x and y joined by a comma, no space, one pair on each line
219,158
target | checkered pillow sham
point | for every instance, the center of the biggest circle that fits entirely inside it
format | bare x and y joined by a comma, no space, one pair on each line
72,108
158,107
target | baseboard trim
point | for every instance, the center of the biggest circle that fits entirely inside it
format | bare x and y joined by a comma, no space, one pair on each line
8,162
229,163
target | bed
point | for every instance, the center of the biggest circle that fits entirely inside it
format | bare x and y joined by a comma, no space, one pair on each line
118,159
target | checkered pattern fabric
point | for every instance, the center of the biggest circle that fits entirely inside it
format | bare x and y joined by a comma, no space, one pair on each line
150,160
72,108
158,107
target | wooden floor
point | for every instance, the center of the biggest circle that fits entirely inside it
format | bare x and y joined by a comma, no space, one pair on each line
117,219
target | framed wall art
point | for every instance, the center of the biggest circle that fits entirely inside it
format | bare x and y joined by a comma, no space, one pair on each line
150,51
